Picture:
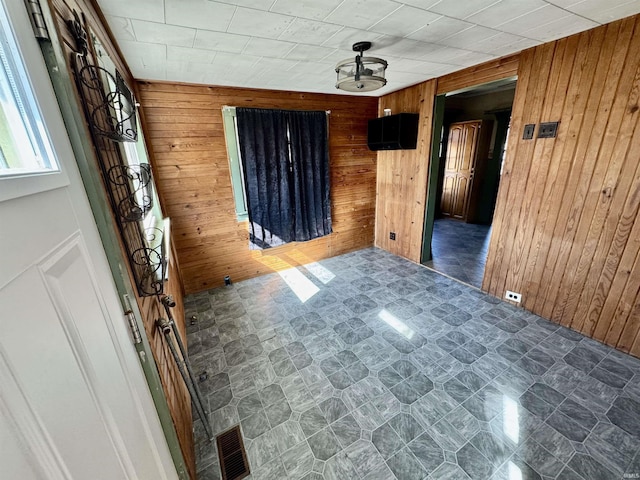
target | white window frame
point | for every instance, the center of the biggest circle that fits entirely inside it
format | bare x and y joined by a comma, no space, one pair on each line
230,122
25,52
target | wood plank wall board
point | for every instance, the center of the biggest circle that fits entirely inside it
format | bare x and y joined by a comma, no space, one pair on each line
497,69
402,176
189,156
566,231
523,190
150,308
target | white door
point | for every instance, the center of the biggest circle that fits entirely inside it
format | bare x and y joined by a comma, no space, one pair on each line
74,403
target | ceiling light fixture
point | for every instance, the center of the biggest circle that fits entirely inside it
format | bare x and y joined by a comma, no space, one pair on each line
362,74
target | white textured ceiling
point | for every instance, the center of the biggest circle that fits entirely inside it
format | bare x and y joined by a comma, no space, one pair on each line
295,44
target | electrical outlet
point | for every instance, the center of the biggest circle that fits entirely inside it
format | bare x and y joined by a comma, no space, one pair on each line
513,296
528,131
392,235
548,130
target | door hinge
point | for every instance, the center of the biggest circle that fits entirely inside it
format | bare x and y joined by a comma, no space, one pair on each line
37,19
133,325
131,320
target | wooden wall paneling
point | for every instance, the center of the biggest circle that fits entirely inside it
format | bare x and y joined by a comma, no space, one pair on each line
497,241
627,276
584,204
571,186
567,231
566,221
150,308
581,84
498,69
553,90
529,95
561,165
402,176
614,215
622,276
189,155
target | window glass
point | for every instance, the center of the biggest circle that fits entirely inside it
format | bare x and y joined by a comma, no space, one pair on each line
24,145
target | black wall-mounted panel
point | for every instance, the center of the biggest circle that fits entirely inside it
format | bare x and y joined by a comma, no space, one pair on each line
548,130
394,132
528,131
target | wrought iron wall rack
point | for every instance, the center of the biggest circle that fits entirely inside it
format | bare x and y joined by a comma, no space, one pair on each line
110,111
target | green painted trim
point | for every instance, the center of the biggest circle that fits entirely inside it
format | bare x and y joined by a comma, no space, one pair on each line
231,137
84,153
432,184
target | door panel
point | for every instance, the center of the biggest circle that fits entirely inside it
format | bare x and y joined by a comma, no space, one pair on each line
459,169
448,194
71,386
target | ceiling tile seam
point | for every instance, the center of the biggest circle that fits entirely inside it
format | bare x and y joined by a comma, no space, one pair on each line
332,11
400,5
529,13
497,32
368,29
226,30
573,13
481,10
460,20
407,36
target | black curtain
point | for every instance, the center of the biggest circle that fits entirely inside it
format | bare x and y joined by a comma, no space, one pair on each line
264,148
310,172
286,168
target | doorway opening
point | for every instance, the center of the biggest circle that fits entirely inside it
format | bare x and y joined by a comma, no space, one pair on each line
470,139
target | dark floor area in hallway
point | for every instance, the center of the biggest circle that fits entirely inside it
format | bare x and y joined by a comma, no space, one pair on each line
367,366
460,250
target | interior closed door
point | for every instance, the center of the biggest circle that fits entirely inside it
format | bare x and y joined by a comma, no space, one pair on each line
459,168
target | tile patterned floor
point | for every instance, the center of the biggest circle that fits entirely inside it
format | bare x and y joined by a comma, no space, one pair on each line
389,370
460,250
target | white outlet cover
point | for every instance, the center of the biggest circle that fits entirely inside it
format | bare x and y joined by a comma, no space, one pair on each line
513,296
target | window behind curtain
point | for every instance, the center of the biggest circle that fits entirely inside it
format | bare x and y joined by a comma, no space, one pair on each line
285,160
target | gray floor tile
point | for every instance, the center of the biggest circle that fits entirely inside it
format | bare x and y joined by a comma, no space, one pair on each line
347,430
312,421
287,435
406,426
298,460
567,427
263,449
481,387
405,466
449,471
364,457
324,444
249,405
339,467
474,463
540,459
588,467
427,451
493,449
386,440
278,413
255,425
405,393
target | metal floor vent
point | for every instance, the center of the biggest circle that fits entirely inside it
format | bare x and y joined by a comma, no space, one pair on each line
233,457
